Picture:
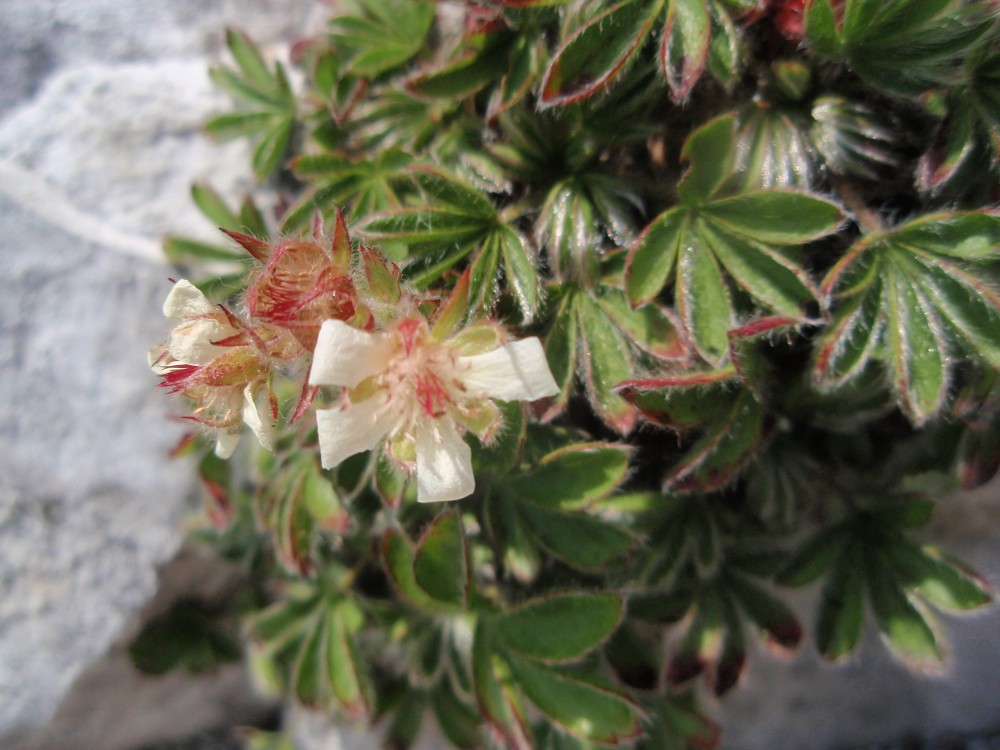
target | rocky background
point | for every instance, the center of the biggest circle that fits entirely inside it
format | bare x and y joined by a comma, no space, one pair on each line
100,107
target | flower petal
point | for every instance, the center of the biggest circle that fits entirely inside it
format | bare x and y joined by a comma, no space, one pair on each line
186,301
345,356
263,428
225,442
444,463
190,342
515,372
346,431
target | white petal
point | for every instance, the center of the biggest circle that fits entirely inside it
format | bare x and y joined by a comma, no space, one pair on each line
225,442
444,463
190,343
359,427
515,372
263,428
345,356
186,301
156,357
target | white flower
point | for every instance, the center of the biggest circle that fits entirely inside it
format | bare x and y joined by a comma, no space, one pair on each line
209,360
420,396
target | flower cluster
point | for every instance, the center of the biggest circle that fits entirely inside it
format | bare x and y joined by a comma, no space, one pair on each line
414,385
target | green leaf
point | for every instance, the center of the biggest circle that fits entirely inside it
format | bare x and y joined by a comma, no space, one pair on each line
710,150
966,236
561,349
917,352
272,147
814,558
842,607
606,361
581,541
180,249
767,612
583,709
441,566
780,217
654,254
212,205
721,453
770,277
250,60
454,193
382,34
522,275
939,579
651,327
597,52
685,45
909,634
575,476
559,628
417,226
398,559
346,670
703,299
464,76
497,701
820,26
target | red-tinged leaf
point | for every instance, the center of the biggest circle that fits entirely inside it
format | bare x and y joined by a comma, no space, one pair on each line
767,612
721,453
687,379
851,340
340,245
954,142
526,60
652,328
382,277
703,299
605,361
685,44
591,58
454,310
918,353
259,249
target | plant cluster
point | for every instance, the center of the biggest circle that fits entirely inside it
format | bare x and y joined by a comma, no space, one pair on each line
693,301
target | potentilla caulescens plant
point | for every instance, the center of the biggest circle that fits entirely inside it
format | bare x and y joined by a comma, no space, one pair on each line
683,302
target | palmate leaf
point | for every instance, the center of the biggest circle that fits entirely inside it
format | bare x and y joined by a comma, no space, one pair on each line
745,234
358,186
273,111
900,46
594,337
536,510
598,51
599,47
915,298
457,221
868,557
576,701
378,35
729,420
312,635
713,616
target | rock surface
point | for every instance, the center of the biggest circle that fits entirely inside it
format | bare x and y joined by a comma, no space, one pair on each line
100,116
100,108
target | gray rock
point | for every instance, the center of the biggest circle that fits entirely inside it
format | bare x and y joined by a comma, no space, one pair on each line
89,502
